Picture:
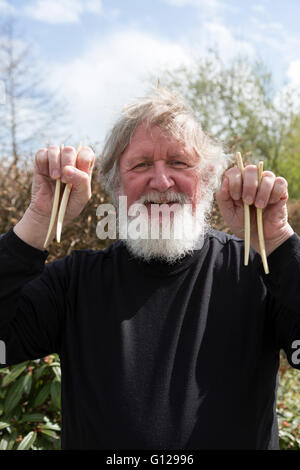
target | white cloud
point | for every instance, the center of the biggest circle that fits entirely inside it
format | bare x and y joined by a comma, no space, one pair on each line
196,3
258,8
115,69
5,7
110,73
293,72
93,6
216,34
288,96
61,11
277,39
270,26
207,6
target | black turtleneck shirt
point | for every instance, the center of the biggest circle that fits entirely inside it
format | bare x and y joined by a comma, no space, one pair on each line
155,356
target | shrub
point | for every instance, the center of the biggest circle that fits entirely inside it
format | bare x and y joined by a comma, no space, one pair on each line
30,404
288,405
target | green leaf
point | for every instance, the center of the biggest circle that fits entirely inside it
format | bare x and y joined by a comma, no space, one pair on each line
11,440
38,372
28,384
50,435
4,425
44,444
27,442
57,372
55,364
48,432
54,426
14,373
11,444
7,442
42,395
13,413
14,394
3,443
32,418
55,394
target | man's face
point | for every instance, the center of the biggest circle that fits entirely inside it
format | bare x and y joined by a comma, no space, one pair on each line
156,163
157,169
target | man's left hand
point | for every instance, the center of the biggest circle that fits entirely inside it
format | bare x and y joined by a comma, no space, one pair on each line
271,196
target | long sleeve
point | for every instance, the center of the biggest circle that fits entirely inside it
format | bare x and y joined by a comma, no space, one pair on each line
32,300
283,284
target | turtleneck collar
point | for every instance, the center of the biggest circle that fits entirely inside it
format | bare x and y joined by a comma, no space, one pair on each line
160,268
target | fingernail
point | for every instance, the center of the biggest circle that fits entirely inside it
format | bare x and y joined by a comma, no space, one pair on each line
55,174
260,204
248,200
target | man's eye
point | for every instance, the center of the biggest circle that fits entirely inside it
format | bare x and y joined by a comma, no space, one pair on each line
140,165
178,163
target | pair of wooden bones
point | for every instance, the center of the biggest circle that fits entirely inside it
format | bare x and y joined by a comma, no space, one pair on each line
63,206
258,217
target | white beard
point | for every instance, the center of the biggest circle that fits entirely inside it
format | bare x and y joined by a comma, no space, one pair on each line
174,247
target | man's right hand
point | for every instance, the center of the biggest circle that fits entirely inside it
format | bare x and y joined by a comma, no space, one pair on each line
51,164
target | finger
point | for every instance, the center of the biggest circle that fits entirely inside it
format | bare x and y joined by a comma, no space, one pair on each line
41,162
265,189
68,157
54,161
234,183
223,194
224,199
79,179
85,160
250,184
279,191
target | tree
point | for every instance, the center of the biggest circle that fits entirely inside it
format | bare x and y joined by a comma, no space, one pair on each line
289,162
31,115
238,105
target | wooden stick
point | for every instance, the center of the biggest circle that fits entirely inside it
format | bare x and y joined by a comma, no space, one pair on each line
54,207
246,215
63,205
260,225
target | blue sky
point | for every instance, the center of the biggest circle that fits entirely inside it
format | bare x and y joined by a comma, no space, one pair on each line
100,54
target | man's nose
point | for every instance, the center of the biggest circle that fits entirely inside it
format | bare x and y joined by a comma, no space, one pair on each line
161,179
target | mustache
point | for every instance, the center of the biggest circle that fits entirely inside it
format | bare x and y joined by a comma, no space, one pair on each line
163,198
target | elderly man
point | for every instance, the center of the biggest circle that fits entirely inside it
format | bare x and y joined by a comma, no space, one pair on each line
166,343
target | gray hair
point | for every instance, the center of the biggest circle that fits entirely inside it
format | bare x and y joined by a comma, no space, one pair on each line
170,112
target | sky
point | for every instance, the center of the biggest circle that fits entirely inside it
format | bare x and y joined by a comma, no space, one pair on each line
98,55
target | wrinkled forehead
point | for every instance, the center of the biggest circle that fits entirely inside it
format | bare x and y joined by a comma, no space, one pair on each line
146,139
